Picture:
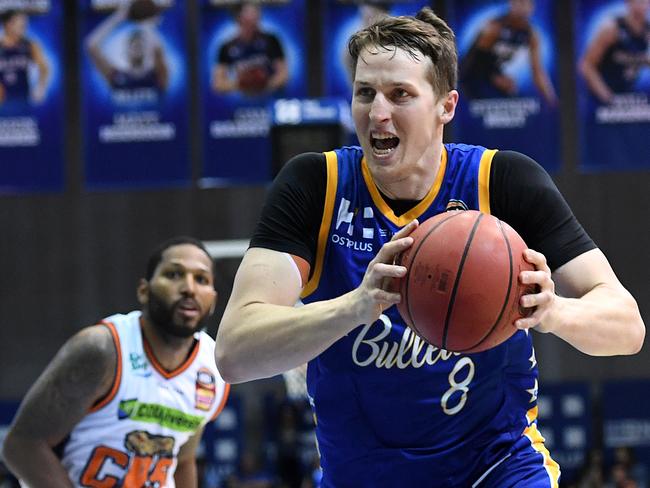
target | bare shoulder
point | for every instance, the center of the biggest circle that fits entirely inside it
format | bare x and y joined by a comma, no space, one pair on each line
81,373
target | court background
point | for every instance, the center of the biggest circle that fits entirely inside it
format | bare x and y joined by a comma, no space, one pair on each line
72,258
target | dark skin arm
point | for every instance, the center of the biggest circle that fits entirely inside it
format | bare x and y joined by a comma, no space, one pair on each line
186,474
81,373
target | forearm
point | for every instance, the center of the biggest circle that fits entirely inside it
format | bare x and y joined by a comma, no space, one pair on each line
34,462
604,322
264,340
596,82
186,474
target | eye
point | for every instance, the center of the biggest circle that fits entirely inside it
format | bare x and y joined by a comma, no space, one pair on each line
365,92
173,274
400,93
202,280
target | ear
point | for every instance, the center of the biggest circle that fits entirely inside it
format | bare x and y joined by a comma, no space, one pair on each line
143,292
448,107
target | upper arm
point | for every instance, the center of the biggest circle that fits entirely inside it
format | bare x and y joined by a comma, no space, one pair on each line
524,195
37,56
584,273
265,276
605,37
81,373
488,35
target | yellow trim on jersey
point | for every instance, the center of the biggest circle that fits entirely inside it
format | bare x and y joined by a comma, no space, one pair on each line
537,443
326,222
416,211
531,415
484,180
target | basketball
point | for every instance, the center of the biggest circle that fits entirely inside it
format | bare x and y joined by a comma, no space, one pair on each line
142,10
461,291
253,80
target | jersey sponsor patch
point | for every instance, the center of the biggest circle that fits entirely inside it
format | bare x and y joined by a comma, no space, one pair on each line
454,204
158,414
206,389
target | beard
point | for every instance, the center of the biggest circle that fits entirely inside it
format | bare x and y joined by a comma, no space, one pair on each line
162,316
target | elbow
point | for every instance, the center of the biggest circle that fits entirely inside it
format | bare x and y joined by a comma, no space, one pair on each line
9,451
636,329
227,363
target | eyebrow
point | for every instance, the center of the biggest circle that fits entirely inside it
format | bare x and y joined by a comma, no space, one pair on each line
181,265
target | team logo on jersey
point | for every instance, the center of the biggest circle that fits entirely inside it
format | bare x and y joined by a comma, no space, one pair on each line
454,204
206,389
146,462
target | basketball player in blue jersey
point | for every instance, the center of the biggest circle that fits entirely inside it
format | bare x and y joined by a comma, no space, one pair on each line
124,402
17,54
482,69
621,48
253,61
146,65
391,410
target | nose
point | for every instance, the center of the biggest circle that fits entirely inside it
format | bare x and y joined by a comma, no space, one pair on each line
188,285
379,109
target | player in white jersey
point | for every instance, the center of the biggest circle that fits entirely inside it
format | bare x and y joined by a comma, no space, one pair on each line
124,402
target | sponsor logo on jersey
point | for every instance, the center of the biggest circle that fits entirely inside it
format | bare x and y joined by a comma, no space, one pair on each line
206,389
158,414
347,221
454,204
139,364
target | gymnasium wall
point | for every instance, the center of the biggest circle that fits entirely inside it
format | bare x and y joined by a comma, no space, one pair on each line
69,259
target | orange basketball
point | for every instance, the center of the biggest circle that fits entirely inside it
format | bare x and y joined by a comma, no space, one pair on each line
461,291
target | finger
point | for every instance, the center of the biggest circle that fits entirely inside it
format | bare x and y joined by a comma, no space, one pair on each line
383,270
528,322
537,259
386,298
535,300
541,278
392,248
406,230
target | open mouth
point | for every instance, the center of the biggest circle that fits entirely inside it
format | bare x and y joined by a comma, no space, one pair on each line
383,144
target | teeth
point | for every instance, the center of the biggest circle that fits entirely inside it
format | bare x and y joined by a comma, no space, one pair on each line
382,152
383,136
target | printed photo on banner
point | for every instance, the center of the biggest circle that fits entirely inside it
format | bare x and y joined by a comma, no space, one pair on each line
613,72
342,19
31,96
507,75
134,79
252,52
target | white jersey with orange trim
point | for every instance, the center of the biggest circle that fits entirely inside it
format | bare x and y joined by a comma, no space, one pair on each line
131,438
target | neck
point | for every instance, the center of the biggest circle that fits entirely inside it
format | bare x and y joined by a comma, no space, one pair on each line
634,21
10,40
170,351
416,184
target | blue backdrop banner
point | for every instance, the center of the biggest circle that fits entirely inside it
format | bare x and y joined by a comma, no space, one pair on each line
342,19
250,55
134,94
31,96
612,42
507,77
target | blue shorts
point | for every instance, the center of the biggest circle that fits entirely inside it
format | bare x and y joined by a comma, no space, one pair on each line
527,465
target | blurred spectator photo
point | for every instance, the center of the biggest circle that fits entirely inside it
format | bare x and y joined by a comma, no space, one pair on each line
482,70
618,52
253,61
18,54
141,64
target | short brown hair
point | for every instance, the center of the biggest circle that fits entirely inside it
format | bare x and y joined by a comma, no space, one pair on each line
425,34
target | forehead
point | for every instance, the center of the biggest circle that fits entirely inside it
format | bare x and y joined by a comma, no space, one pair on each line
377,65
188,256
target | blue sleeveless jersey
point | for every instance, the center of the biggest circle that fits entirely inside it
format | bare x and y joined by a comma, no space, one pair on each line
14,66
391,410
623,60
